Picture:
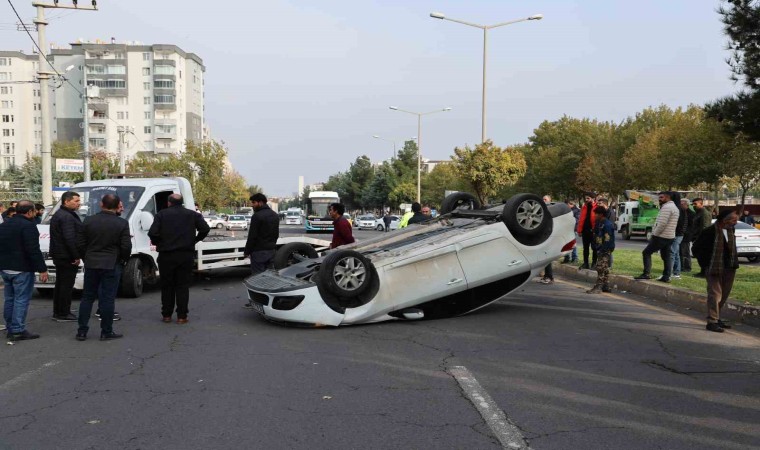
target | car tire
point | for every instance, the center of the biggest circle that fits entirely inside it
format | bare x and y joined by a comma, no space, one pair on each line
284,256
132,279
528,219
459,200
379,228
749,258
334,276
219,226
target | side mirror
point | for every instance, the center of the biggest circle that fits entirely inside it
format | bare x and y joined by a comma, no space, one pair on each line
146,220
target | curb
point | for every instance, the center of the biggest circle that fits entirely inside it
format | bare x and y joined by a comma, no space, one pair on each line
733,309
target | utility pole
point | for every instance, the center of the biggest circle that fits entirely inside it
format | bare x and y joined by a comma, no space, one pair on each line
44,76
122,162
86,133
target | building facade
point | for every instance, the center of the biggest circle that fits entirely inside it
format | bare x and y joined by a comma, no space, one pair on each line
20,109
150,95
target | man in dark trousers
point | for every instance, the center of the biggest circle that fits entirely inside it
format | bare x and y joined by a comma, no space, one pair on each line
685,251
702,220
105,244
262,236
387,221
20,259
175,231
342,233
65,229
585,228
716,246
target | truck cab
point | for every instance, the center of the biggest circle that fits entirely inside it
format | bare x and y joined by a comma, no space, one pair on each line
637,215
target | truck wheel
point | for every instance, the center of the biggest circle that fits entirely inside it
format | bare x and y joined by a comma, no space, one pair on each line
649,235
528,219
287,255
345,273
626,233
132,279
459,200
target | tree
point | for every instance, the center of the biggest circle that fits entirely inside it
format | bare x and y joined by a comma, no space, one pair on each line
489,168
743,163
404,192
405,164
378,190
444,177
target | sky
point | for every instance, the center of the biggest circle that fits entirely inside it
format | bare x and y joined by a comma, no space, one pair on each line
300,87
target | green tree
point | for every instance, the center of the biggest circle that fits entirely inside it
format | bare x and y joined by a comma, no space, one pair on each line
378,190
743,164
444,177
404,192
488,168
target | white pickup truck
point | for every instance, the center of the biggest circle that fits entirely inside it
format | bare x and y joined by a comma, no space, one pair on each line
143,198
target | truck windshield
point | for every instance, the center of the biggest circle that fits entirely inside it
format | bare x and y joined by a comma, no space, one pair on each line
91,196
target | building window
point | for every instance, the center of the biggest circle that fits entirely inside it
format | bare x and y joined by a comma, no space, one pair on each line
122,101
7,132
163,99
108,84
5,76
148,114
146,56
6,104
6,148
166,129
97,142
164,70
118,55
146,85
5,62
146,130
163,84
146,71
121,115
146,100
5,90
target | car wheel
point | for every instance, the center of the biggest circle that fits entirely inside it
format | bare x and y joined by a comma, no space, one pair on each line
132,279
528,219
749,258
219,226
459,200
345,273
287,254
379,228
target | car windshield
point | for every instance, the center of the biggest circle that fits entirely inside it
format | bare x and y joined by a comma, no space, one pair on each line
366,218
743,226
237,218
90,200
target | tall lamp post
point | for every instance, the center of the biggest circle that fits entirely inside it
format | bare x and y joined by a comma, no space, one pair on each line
485,28
393,141
419,139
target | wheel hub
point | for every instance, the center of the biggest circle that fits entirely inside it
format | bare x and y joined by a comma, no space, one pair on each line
530,214
349,273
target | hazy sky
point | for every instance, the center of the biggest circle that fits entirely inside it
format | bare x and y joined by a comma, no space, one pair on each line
299,87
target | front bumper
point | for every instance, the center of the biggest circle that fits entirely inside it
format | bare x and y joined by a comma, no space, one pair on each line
269,293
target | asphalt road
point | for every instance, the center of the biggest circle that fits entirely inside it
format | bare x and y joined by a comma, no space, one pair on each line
567,369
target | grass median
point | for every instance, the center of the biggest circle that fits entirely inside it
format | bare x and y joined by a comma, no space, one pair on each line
746,285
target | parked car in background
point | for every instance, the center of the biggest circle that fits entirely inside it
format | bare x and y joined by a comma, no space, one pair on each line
394,223
236,222
449,266
747,241
369,222
293,217
214,222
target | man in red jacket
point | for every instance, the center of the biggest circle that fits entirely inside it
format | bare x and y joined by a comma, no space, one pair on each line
342,234
586,223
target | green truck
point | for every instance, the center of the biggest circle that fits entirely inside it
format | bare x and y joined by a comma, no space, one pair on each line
637,215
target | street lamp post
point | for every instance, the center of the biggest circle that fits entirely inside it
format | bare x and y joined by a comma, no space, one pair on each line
393,141
419,139
485,28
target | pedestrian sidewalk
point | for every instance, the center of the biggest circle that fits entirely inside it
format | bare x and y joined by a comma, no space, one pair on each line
695,301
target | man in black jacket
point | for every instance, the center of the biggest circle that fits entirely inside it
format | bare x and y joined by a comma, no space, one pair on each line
174,234
106,244
418,217
687,237
262,236
65,228
20,258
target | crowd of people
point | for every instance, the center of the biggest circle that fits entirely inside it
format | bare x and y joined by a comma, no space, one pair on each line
678,233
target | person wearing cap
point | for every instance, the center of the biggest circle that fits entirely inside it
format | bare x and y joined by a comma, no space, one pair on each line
716,245
663,235
585,228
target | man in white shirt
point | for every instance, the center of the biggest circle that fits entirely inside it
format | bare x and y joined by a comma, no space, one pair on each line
663,234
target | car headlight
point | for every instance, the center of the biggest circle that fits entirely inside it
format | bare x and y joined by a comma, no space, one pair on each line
286,302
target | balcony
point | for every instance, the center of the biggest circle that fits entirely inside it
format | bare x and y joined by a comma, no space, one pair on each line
165,151
97,119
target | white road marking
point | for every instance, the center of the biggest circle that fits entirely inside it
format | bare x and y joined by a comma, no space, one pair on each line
27,375
505,431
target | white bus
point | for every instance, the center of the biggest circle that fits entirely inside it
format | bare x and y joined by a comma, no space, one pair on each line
316,210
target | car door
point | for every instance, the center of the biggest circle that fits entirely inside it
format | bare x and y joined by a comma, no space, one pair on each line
422,277
490,256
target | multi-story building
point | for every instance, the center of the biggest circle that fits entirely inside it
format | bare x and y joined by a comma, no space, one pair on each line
155,92
20,108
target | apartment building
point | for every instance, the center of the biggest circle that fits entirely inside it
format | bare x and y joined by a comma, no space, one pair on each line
156,92
20,108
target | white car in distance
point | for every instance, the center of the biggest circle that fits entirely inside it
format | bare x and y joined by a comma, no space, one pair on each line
215,222
236,222
369,222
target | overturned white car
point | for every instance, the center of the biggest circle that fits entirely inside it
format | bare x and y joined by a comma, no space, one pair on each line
454,264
